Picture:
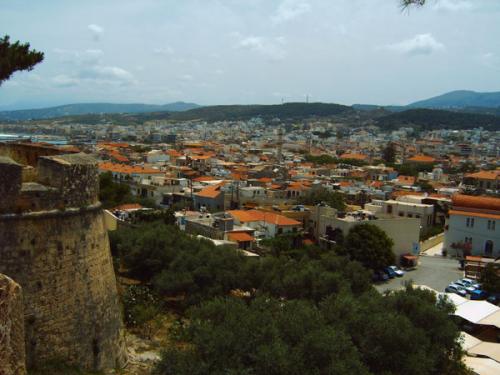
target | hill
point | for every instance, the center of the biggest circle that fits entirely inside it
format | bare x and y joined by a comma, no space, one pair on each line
245,112
429,119
460,99
294,111
91,108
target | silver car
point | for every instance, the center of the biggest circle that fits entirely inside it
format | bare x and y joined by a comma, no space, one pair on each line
457,289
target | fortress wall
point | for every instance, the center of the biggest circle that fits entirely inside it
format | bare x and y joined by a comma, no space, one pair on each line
27,153
53,242
12,354
63,263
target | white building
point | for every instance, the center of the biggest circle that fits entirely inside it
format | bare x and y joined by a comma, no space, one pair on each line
409,208
403,231
473,226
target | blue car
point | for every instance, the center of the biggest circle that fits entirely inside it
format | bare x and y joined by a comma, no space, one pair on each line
380,276
390,272
478,294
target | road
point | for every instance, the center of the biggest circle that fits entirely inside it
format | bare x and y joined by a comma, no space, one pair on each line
433,271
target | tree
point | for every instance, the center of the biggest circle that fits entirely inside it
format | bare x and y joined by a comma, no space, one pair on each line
369,245
227,336
112,193
16,57
321,195
490,278
389,153
405,332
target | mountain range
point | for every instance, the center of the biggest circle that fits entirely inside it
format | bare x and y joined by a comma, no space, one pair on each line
92,108
459,109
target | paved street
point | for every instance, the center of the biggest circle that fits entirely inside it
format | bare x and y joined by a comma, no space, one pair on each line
434,271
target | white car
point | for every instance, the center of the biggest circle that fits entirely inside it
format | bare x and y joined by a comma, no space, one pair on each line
471,283
468,289
397,271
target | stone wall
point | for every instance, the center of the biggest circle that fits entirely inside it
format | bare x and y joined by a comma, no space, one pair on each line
12,355
54,243
63,263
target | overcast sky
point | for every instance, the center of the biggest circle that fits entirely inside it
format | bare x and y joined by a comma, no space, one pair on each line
250,51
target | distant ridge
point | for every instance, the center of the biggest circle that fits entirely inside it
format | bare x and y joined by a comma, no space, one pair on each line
92,108
460,99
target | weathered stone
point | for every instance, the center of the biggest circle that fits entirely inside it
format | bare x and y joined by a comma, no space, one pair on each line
12,354
54,243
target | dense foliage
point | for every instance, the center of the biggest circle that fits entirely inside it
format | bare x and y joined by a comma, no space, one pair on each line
429,119
16,57
369,245
112,193
407,332
389,153
328,159
490,278
176,264
304,311
313,197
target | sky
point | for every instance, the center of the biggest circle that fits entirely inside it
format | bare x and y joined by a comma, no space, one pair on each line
250,51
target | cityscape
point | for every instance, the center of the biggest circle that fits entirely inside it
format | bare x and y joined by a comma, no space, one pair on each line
210,236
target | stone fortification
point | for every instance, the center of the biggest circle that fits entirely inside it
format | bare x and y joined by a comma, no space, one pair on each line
54,244
12,356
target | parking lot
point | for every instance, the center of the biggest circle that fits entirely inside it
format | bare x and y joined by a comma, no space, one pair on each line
434,271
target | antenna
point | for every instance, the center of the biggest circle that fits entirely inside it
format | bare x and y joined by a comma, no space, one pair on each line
307,98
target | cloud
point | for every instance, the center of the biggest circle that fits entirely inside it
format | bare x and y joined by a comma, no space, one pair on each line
421,44
290,9
490,60
453,5
106,74
272,48
164,50
96,31
62,80
186,77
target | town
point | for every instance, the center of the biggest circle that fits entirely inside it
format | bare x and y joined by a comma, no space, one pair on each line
285,187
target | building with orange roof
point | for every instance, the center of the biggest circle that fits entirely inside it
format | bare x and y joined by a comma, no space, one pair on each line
266,224
406,180
425,159
210,197
128,172
473,226
354,156
487,180
244,239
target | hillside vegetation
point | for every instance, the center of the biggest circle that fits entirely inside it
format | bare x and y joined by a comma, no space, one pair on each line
428,119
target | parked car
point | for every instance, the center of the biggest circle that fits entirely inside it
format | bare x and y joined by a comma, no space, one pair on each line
494,299
380,276
390,272
468,289
457,289
472,283
478,294
399,272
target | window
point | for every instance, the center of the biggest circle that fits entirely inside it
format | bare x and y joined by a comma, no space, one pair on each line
491,224
468,240
470,222
401,213
410,215
417,216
